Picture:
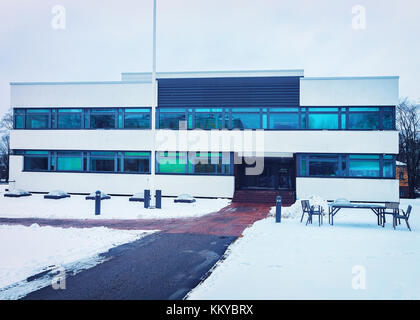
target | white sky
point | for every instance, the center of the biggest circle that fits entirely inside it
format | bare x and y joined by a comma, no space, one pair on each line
106,37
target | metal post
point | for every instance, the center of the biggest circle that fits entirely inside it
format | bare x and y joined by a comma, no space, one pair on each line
278,209
146,198
97,203
158,197
155,100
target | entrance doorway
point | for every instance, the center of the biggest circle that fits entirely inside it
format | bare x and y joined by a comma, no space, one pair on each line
278,174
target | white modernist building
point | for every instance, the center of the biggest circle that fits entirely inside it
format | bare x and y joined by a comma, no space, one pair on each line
332,137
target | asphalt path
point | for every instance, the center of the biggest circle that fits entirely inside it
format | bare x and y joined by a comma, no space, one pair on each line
164,266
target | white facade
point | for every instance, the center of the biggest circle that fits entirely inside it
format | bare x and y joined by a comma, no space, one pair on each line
126,184
350,91
136,90
380,190
374,142
81,94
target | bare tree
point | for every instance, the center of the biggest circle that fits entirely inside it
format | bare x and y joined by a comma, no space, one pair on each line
408,123
7,120
6,124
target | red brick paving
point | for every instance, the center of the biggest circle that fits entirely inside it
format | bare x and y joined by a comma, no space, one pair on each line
230,221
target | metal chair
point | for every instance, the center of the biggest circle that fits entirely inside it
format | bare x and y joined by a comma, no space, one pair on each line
313,212
305,208
405,216
393,207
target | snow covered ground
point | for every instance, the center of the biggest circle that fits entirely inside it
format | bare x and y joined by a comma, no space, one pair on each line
117,207
354,259
27,251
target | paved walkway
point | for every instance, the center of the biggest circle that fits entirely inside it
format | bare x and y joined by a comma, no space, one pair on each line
164,265
230,221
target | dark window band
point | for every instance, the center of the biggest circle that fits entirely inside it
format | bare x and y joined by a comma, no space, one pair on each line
293,118
86,161
83,118
346,165
188,163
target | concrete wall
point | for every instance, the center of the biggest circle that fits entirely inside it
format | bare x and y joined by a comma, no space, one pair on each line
379,190
83,94
171,185
200,140
357,91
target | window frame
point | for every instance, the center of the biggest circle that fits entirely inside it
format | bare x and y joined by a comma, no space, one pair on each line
85,157
189,155
227,113
345,159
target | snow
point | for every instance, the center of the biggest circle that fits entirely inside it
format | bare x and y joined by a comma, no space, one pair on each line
57,193
295,210
289,260
118,207
185,197
3,187
27,251
139,195
17,192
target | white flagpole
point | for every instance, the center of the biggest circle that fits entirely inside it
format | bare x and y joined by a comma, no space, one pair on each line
155,92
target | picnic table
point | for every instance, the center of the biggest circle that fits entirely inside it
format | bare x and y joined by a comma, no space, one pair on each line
333,209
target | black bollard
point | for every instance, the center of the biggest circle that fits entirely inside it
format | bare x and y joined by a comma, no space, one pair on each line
97,203
146,198
278,209
158,199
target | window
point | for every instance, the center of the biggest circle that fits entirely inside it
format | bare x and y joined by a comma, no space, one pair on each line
102,162
213,163
136,162
388,166
19,118
169,118
388,118
246,118
322,118
69,161
321,166
171,162
342,165
102,119
363,118
364,166
137,118
209,118
69,119
37,118
36,161
284,118
78,161
273,118
205,162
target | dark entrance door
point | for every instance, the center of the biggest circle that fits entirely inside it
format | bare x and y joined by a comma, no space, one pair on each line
278,174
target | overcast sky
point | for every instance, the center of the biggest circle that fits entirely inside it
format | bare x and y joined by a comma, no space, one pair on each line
103,38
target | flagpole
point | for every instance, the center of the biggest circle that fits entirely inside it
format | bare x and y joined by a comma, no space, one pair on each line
155,93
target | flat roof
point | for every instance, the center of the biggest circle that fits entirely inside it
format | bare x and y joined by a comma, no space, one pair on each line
145,77
351,78
74,82
127,76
